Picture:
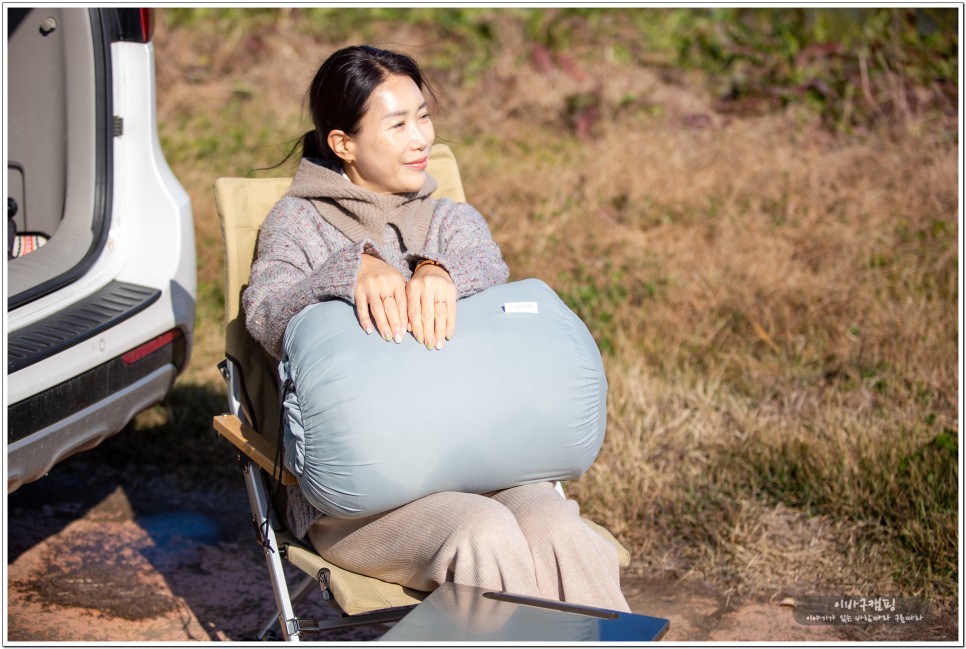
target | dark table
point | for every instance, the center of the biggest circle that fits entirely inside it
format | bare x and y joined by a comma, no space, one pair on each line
457,613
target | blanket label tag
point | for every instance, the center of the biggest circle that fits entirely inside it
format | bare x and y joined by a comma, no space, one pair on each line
520,307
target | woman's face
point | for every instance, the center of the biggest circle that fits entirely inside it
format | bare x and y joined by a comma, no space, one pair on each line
389,153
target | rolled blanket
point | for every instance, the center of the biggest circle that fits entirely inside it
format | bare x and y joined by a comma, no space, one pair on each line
517,396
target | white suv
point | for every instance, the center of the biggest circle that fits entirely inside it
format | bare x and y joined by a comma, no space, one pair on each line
100,268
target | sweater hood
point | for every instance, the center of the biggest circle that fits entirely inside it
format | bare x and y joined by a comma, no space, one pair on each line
360,213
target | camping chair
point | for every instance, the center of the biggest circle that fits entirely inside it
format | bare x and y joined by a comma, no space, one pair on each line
253,420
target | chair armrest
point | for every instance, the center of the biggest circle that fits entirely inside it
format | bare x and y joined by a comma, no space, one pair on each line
254,446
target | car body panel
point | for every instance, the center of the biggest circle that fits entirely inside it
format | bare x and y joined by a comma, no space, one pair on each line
148,243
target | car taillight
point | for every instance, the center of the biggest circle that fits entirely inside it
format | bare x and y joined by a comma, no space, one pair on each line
137,25
151,346
147,23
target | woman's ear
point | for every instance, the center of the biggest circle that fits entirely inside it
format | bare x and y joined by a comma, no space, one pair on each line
341,144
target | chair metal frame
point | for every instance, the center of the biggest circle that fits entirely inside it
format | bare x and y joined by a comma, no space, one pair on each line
277,545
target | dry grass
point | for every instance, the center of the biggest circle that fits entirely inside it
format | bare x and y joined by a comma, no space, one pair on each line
777,305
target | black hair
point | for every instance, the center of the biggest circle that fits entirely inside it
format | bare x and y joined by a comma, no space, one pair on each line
339,93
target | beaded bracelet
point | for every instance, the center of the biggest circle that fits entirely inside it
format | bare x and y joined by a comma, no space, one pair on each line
426,262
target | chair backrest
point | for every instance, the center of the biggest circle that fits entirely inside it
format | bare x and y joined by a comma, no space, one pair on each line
242,204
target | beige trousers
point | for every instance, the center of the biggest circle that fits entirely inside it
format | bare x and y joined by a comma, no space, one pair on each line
526,540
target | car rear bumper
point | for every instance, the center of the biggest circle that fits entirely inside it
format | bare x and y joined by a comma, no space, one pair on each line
33,455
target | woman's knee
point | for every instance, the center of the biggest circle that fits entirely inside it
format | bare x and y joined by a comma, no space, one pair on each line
485,523
486,548
540,511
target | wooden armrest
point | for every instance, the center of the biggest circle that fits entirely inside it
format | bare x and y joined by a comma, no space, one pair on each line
253,445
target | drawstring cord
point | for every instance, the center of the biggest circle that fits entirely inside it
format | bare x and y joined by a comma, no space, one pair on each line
287,388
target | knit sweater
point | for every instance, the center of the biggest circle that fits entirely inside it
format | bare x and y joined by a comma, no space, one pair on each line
302,259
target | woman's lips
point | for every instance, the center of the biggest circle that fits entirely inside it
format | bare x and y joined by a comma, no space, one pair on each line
418,165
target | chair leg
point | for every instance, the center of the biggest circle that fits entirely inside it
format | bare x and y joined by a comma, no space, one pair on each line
258,498
267,628
301,591
292,627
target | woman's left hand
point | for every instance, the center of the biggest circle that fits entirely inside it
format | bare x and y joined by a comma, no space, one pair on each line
431,298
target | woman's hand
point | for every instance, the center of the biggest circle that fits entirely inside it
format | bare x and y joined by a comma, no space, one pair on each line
381,291
431,295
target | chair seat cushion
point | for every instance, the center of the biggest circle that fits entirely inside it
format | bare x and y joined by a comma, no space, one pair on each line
517,396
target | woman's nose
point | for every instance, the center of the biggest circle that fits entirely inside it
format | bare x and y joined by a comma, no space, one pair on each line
420,137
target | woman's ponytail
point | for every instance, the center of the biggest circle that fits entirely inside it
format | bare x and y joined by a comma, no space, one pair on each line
310,145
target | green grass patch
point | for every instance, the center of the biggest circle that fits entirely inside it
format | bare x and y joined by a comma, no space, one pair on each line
908,496
595,295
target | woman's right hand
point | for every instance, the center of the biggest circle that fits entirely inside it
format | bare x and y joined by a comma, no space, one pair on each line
381,298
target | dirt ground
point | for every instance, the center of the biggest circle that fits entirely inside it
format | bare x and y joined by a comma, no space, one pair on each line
99,554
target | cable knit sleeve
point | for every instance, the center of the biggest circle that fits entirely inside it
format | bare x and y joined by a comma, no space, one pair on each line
460,240
300,260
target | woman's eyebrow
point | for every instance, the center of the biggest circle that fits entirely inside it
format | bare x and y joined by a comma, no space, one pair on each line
403,113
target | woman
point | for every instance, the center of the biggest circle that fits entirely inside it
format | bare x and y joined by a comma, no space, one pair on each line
358,224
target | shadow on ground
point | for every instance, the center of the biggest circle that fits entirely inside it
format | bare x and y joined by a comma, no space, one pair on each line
145,537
